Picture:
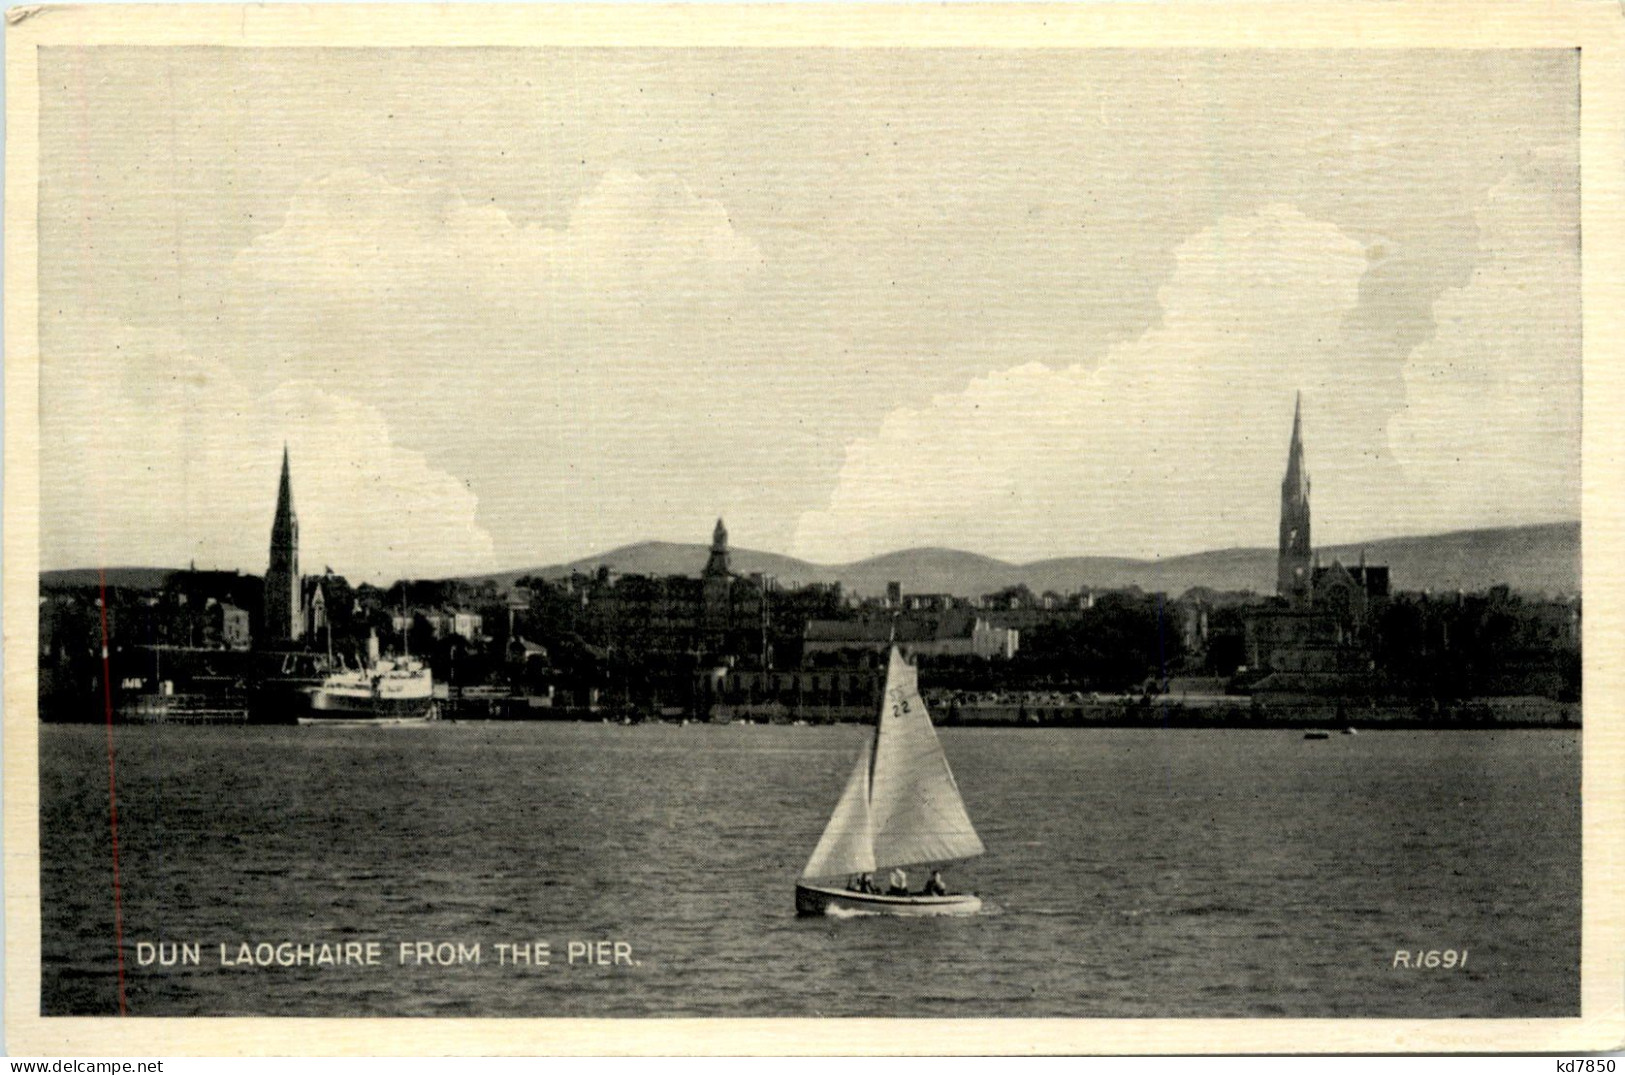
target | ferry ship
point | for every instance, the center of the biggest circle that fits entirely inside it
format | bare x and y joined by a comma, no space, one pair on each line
383,691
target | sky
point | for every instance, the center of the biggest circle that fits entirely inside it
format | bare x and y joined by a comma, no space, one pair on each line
512,307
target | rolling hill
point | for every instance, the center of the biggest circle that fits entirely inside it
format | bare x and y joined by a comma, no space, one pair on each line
1535,559
137,578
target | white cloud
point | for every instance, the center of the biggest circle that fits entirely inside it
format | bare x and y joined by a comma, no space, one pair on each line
154,456
1155,451
157,455
353,236
1159,449
1490,428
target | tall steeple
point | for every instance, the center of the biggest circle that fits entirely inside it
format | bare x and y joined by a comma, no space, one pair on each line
718,563
716,591
1293,559
285,520
284,620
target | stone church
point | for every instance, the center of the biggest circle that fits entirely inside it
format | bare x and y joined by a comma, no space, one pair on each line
1315,635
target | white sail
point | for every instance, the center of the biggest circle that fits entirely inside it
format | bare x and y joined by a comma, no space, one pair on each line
914,804
847,846
901,805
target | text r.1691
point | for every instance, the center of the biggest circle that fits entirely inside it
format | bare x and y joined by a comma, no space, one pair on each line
1431,959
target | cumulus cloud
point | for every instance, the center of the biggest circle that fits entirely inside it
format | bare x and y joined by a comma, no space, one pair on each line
1157,449
1491,419
157,453
155,456
354,236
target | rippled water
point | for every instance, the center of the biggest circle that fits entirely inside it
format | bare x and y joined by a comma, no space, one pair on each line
1129,872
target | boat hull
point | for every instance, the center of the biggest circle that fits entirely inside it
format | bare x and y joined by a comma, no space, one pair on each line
838,902
352,720
342,707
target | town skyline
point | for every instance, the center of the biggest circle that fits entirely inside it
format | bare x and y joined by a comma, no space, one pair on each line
850,319
1296,452
285,530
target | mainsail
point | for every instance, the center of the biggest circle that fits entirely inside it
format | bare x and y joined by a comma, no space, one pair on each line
901,804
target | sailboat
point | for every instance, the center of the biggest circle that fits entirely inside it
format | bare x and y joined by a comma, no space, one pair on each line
900,807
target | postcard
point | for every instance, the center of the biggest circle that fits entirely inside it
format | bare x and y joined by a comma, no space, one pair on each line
813,529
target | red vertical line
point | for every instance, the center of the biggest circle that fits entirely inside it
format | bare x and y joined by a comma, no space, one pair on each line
112,800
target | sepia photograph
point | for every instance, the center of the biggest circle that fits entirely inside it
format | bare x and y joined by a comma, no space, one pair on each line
817,525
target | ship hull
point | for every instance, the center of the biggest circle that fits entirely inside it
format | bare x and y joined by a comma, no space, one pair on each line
332,707
814,900
335,721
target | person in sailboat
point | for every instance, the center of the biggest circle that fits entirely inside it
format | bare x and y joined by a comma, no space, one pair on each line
900,806
935,886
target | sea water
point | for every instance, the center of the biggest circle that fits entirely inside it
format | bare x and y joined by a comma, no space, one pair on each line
606,870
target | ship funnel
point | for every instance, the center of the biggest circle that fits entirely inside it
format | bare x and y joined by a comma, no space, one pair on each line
372,646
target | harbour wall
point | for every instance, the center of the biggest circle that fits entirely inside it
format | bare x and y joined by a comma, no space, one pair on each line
1134,712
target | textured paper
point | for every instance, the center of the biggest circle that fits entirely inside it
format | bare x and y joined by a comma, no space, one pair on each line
1592,28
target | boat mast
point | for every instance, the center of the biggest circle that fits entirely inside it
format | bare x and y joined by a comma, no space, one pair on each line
880,712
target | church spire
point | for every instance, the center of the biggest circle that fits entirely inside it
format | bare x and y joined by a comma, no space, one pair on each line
1297,479
1293,560
284,617
286,521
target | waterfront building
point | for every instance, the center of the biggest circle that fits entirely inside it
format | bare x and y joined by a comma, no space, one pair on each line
720,617
817,695
227,626
734,608
716,586
950,633
469,625
1349,594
